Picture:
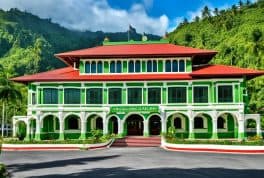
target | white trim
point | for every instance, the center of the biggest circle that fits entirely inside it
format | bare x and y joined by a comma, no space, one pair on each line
139,81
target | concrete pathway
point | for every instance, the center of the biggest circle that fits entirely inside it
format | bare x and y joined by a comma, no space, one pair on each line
132,162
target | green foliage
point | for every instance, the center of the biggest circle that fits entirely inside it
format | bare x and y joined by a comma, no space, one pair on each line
257,141
28,43
21,132
97,134
237,34
3,171
90,140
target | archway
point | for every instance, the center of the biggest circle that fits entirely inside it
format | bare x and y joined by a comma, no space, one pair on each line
226,126
94,122
113,125
178,123
203,126
72,127
134,125
154,125
50,127
251,127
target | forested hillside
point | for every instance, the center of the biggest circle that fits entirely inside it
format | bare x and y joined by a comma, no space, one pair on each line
28,43
237,34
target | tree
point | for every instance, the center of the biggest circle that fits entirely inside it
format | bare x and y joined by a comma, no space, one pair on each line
241,3
197,19
216,11
248,2
206,12
234,9
8,93
185,21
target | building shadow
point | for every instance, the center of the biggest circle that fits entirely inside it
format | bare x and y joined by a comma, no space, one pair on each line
57,163
126,172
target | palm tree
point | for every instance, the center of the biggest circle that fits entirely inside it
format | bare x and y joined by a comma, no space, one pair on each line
216,11
8,93
206,12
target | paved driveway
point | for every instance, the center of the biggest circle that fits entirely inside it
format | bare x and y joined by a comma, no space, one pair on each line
132,162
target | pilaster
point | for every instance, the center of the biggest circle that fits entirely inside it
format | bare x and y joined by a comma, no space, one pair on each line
146,128
61,120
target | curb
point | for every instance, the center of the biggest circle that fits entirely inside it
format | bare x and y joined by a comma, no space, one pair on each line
55,147
208,150
230,149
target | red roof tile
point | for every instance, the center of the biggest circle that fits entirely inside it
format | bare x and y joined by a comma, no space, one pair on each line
136,50
208,71
222,70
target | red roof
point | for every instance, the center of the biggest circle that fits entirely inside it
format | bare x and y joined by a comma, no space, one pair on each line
208,71
136,50
222,70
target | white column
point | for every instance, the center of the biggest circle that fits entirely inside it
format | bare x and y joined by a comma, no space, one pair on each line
146,128
214,125
214,122
163,123
191,134
61,120
120,127
83,125
241,127
258,127
105,124
14,128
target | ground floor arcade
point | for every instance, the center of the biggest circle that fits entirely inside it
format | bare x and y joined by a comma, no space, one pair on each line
183,124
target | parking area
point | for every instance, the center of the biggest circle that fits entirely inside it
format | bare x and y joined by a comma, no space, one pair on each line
131,162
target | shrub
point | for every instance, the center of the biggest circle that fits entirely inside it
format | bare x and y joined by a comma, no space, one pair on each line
3,171
254,138
97,134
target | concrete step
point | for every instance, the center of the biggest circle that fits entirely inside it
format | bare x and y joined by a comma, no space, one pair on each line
136,141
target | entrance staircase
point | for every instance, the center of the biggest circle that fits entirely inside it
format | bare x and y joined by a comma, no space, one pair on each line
137,141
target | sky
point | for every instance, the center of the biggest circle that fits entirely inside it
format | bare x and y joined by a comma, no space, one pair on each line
149,16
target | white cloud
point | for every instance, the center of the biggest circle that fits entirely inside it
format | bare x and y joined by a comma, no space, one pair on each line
93,15
174,23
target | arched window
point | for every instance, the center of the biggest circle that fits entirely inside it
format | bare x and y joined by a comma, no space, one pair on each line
93,67
112,67
149,66
87,67
131,67
198,123
99,67
73,123
177,123
137,66
175,66
155,66
220,123
181,66
118,67
168,66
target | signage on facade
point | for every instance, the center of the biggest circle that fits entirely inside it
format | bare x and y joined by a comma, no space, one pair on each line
127,109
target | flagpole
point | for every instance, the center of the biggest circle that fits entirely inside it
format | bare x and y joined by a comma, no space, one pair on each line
128,33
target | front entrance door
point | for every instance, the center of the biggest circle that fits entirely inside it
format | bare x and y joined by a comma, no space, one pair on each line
134,125
154,125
